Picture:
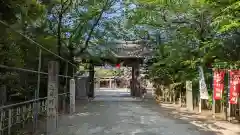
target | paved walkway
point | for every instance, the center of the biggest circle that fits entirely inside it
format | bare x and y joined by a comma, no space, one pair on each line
203,120
115,113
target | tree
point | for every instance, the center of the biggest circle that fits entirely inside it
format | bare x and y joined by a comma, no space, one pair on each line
192,33
66,27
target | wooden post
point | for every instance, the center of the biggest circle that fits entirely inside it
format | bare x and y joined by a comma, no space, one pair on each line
3,100
213,105
9,121
72,96
135,82
91,79
65,88
189,95
213,100
228,107
29,112
18,115
3,95
137,73
35,107
2,122
52,99
131,83
23,115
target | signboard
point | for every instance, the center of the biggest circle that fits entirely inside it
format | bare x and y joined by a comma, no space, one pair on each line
202,85
218,84
51,107
234,86
51,99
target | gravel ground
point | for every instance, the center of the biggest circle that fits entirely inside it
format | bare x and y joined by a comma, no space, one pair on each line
115,113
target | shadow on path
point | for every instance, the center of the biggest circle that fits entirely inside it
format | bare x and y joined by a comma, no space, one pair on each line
184,116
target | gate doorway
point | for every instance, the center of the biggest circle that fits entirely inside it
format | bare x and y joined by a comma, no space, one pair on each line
104,84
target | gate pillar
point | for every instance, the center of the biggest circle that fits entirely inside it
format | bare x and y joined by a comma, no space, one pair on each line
135,84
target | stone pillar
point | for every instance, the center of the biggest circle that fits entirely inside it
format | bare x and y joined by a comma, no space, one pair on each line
52,99
98,84
110,83
189,95
72,96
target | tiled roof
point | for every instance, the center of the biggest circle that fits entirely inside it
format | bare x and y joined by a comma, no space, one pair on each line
120,49
131,49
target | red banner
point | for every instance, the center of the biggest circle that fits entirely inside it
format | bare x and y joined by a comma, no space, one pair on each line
234,86
218,84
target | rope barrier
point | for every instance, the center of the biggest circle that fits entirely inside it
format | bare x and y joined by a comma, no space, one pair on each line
31,71
22,103
29,101
22,69
37,44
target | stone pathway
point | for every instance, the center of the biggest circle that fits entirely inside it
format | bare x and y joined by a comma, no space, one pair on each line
118,114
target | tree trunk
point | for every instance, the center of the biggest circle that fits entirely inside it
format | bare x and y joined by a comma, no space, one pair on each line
174,98
91,80
170,96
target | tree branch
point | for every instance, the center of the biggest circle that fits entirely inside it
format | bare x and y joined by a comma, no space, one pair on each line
93,27
60,17
64,9
163,13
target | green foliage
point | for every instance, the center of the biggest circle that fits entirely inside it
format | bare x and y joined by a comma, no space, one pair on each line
228,17
193,33
185,34
60,26
107,72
